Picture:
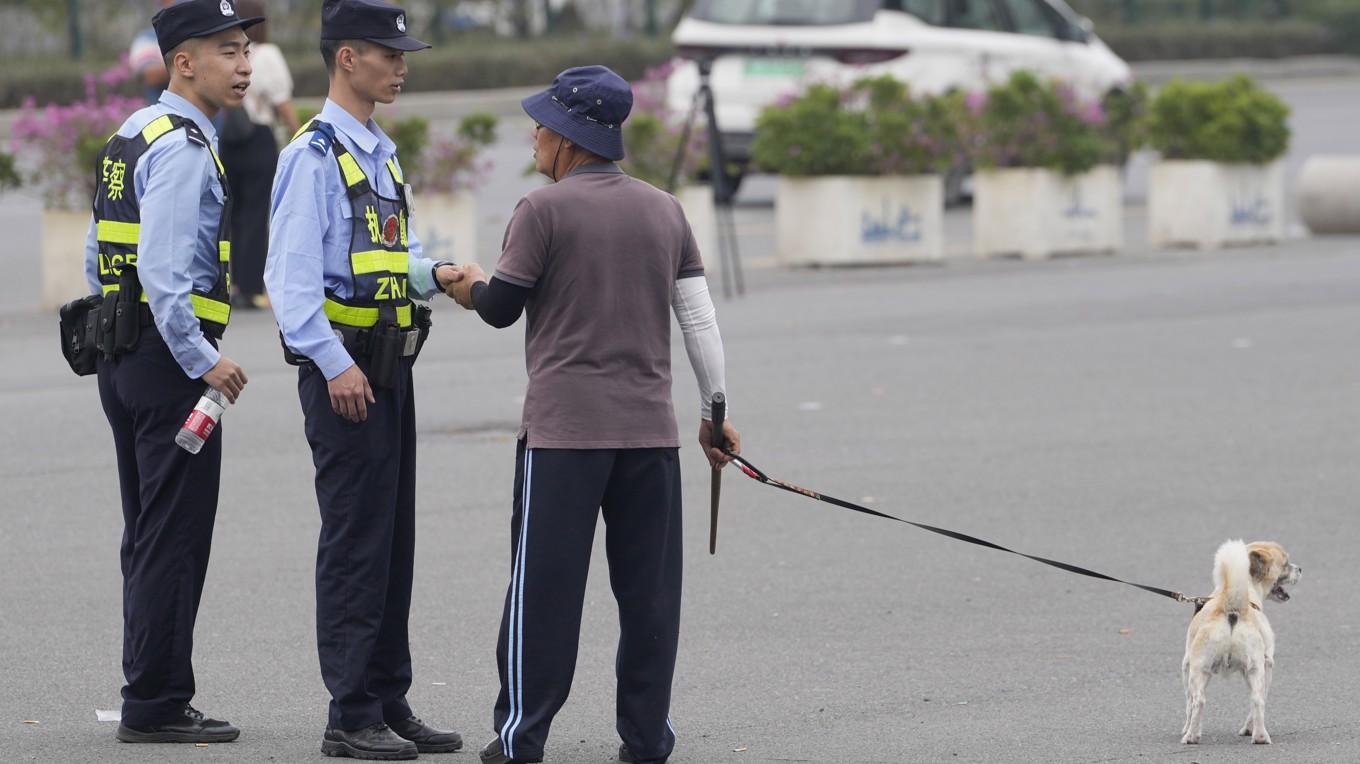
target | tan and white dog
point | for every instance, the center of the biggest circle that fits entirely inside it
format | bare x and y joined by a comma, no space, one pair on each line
1231,633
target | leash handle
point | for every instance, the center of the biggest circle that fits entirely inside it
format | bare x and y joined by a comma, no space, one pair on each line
719,415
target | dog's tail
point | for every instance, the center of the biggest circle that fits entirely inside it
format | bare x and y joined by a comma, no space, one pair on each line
1232,577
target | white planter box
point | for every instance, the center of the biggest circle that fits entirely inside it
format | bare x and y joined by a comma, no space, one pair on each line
63,256
1211,204
697,201
844,220
1035,212
447,226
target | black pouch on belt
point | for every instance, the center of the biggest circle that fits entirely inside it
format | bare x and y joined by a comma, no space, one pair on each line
79,324
384,355
127,317
423,323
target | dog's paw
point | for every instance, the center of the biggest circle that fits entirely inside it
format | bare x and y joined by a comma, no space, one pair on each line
1246,730
1261,739
1189,739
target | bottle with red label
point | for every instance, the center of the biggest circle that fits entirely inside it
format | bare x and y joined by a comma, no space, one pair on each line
202,420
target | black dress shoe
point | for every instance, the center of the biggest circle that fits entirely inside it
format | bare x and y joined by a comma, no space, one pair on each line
427,738
376,742
193,728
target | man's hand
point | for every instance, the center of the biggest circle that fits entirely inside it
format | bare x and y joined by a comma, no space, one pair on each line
461,290
350,394
226,377
731,440
445,276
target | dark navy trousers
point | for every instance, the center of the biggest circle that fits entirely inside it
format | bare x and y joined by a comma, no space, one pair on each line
365,486
169,499
559,494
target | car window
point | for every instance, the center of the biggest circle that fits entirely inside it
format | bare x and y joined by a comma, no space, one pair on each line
929,11
1032,18
785,12
974,14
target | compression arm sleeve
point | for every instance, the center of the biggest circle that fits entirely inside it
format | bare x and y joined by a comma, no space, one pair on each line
693,308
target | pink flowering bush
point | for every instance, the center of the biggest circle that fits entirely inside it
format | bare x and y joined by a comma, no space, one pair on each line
1032,123
57,146
455,163
652,135
874,127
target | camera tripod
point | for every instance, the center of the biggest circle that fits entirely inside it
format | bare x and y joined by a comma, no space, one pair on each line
729,257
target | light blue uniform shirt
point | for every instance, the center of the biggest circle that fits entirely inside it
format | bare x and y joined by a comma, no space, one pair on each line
310,224
180,199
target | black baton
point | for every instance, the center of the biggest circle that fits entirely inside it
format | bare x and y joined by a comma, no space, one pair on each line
720,443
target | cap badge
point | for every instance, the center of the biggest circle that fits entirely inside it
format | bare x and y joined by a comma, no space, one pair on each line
401,23
227,10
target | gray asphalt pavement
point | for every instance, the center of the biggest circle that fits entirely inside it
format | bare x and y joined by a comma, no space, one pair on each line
1125,413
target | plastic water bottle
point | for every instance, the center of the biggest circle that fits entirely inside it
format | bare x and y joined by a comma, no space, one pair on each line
201,421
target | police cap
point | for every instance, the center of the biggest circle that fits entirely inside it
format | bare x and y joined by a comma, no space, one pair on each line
372,20
196,18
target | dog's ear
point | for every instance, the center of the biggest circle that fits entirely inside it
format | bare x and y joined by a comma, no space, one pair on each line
1258,564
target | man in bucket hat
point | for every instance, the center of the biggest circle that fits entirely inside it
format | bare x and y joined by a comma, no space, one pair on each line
598,260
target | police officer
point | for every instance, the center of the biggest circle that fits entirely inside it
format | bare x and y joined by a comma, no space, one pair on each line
599,261
343,261
158,251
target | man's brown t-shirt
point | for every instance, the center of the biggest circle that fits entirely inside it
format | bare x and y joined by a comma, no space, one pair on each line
601,252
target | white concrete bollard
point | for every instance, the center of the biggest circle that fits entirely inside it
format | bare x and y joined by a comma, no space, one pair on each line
1329,194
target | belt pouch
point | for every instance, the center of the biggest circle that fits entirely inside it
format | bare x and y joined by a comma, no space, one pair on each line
423,323
127,319
384,356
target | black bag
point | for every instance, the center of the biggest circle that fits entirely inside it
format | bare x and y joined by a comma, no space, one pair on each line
79,324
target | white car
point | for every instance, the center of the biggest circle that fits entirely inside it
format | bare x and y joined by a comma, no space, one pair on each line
762,50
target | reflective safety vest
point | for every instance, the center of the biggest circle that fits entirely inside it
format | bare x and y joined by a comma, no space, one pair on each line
379,258
118,219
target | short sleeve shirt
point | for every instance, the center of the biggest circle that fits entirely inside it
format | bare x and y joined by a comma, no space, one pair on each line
271,84
600,252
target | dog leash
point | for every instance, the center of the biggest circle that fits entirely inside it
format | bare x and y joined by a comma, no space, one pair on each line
755,473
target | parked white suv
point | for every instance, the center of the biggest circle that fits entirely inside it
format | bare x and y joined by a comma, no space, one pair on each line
761,50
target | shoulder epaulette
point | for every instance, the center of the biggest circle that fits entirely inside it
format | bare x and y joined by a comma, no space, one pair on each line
323,135
194,134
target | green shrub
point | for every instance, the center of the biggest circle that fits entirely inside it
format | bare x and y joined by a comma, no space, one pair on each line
1230,121
9,174
1027,122
874,127
1193,39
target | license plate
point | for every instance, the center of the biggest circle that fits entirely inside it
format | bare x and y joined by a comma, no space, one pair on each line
774,67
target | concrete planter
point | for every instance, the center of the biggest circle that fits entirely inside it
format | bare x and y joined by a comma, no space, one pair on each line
845,220
447,225
697,202
1212,204
63,256
1035,212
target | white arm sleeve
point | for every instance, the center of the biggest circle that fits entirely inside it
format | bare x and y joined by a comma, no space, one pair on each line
699,324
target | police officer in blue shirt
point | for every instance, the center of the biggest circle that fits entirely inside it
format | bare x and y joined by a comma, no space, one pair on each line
343,264
158,252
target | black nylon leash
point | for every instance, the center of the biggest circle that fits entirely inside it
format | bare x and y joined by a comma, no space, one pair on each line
755,473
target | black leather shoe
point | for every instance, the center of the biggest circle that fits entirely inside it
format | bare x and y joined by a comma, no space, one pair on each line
193,728
493,753
626,756
377,742
427,738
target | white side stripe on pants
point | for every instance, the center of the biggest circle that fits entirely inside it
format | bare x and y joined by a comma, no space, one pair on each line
514,658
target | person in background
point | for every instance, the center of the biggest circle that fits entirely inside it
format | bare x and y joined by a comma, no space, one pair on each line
144,59
250,151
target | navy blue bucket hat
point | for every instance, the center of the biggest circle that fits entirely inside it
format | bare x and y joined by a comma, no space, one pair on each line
586,105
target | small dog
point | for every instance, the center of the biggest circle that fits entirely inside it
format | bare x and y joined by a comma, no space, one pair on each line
1231,633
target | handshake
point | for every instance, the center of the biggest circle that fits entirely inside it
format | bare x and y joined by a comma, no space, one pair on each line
457,281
